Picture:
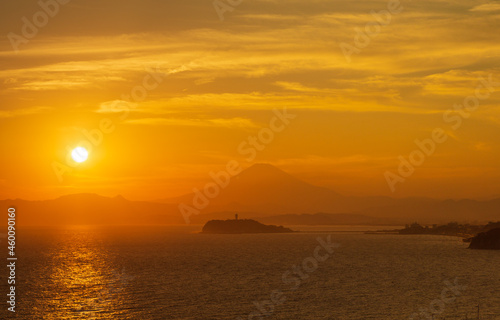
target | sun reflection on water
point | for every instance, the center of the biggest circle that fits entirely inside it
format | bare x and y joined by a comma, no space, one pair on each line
83,283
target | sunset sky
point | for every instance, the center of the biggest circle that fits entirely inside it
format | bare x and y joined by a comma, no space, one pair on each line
221,80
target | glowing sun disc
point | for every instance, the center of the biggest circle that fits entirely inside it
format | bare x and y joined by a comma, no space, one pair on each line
79,154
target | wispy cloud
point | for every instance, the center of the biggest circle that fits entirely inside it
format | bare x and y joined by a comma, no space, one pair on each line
116,106
227,123
487,7
23,112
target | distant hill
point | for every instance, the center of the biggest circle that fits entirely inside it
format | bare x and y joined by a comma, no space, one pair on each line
440,211
91,209
261,191
330,219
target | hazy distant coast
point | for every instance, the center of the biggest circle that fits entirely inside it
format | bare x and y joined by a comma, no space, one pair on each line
466,231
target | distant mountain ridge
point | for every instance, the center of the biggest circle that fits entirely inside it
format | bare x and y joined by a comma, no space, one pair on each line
91,209
261,191
265,190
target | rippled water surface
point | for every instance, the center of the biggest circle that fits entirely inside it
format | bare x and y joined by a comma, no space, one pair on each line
174,273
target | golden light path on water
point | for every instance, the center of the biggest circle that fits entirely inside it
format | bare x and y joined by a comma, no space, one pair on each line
82,283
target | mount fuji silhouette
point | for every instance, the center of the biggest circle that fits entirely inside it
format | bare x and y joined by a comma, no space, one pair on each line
263,188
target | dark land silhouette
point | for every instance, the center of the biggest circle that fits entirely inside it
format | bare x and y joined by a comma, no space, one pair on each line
236,226
489,240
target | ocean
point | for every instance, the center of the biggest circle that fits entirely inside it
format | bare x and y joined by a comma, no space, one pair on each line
177,273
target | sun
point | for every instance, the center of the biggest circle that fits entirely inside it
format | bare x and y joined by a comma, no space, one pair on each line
79,154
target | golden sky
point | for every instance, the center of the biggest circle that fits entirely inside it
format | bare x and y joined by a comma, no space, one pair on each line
218,82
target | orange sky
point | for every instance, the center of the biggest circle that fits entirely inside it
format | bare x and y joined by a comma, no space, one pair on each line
213,83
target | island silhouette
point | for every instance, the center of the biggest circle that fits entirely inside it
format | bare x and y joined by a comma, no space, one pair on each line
236,226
